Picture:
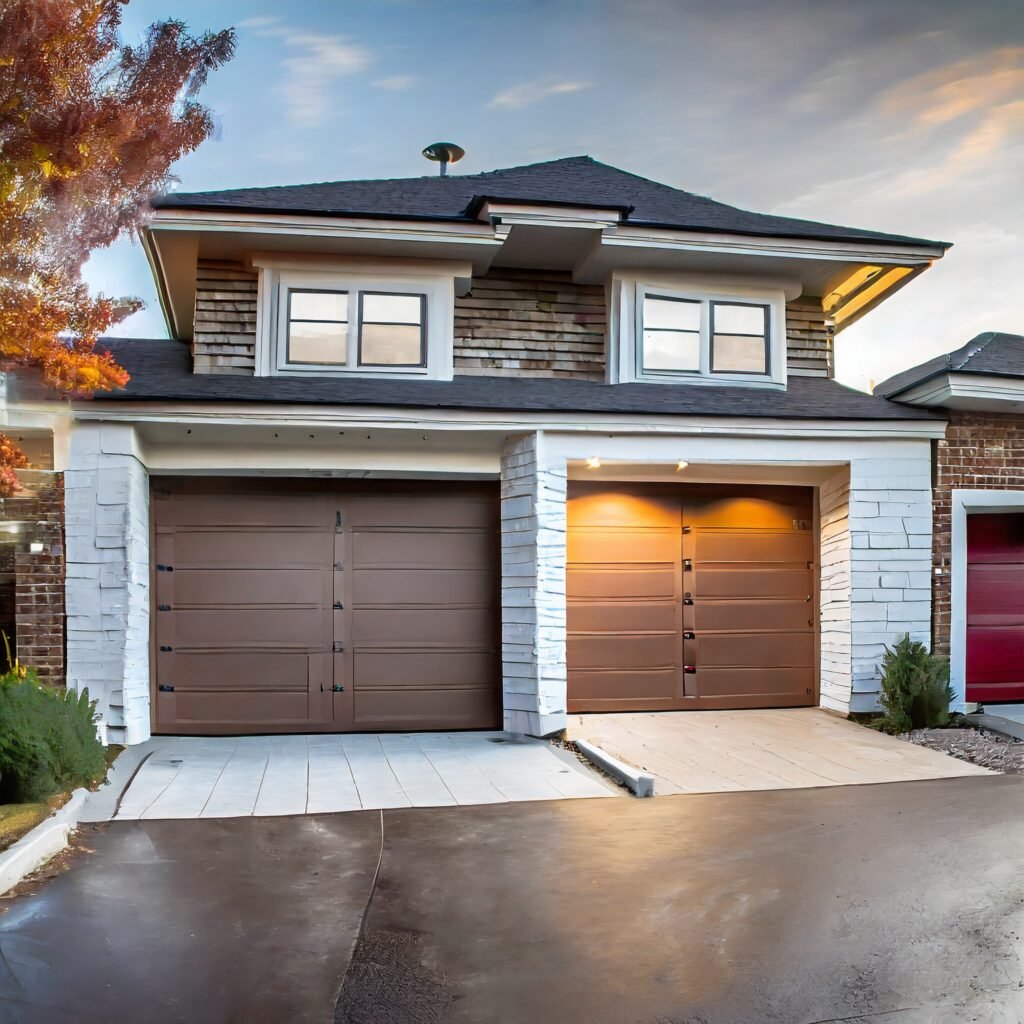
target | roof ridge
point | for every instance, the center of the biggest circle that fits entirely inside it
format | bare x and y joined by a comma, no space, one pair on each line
973,347
408,177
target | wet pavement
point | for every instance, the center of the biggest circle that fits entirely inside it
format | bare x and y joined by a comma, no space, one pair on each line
898,904
247,920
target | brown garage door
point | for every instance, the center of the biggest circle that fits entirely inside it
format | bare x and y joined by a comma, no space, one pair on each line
690,597
285,608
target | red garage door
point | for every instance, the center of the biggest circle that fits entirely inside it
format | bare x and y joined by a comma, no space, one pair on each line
995,607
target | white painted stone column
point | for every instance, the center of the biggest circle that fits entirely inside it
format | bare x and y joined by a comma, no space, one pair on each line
890,530
107,527
834,592
533,554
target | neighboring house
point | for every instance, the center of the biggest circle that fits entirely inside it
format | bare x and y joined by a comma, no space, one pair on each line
484,450
978,499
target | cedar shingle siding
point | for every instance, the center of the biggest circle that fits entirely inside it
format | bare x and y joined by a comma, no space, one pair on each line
531,324
514,323
225,324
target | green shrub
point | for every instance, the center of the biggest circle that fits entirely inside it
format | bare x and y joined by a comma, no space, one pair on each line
48,739
915,688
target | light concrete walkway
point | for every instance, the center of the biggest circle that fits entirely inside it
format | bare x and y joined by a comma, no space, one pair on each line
228,777
721,751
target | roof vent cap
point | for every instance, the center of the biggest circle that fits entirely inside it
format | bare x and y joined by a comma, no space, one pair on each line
444,153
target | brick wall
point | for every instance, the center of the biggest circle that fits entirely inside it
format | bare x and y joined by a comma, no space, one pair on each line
38,592
984,451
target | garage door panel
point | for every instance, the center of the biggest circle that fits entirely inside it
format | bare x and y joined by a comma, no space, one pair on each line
626,651
774,508
248,627
615,617
234,511
412,550
738,582
755,682
610,509
426,709
226,708
755,650
422,627
251,549
747,546
443,669
455,512
625,547
625,582
627,687
995,594
238,670
422,586
749,615
199,588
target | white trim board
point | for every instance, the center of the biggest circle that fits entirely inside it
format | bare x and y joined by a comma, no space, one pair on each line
963,502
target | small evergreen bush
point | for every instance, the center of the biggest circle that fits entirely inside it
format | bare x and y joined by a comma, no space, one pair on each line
915,688
48,738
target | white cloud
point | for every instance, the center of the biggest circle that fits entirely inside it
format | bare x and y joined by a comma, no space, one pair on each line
395,83
310,75
527,93
259,21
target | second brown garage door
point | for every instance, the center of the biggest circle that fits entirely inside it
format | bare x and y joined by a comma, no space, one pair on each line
693,596
280,607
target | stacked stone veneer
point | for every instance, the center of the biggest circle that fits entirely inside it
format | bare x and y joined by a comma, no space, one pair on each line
533,532
107,525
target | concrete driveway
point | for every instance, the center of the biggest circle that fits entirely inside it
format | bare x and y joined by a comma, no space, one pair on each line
900,904
730,751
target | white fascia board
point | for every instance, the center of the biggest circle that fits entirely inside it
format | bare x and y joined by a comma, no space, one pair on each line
550,216
965,390
854,252
334,227
504,422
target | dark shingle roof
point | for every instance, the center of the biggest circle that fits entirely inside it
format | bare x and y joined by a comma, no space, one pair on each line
161,371
992,353
576,181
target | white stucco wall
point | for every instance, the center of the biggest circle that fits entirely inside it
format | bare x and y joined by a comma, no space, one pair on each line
107,527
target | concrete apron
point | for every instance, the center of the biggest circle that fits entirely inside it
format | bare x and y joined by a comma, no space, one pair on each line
226,777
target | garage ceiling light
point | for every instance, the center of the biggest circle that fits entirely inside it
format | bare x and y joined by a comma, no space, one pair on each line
682,464
593,462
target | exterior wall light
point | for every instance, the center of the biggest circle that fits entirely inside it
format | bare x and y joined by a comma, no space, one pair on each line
593,462
681,464
36,547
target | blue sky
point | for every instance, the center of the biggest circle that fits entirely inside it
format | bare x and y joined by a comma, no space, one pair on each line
906,116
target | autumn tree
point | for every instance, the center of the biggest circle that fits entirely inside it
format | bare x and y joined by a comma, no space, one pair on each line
89,129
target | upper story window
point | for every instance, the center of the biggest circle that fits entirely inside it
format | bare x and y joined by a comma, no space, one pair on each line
688,332
324,322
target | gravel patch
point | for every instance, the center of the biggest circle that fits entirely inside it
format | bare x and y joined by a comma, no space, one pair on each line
979,746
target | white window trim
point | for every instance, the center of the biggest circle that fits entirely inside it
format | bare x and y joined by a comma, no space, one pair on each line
626,329
964,501
272,327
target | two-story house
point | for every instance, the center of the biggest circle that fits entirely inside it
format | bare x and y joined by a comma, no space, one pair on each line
483,450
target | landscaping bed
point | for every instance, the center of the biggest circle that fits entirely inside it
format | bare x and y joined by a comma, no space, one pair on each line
978,746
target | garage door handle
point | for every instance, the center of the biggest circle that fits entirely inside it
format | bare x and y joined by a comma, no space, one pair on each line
338,647
689,669
689,636
338,606
337,688
687,600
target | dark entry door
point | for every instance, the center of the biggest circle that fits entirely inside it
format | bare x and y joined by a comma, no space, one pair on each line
995,607
287,608
690,597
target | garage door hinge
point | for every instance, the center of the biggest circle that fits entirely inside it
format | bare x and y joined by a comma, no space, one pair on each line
163,647
338,606
339,565
687,565
337,520
686,529
165,568
163,607
338,647
164,688
689,636
689,669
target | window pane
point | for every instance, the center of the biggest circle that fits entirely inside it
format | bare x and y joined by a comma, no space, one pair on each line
671,350
739,319
392,309
317,343
673,314
318,306
390,346
738,354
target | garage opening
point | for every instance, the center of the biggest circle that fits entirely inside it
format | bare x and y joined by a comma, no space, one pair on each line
995,607
291,606
691,597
